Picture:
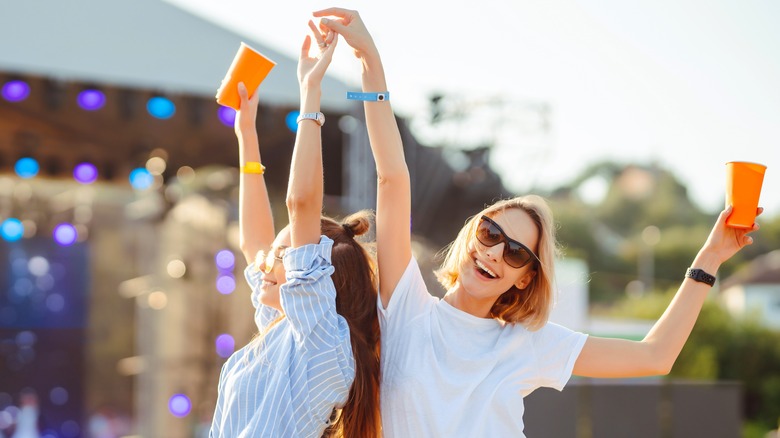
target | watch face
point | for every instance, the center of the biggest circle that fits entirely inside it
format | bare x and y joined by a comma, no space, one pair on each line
321,118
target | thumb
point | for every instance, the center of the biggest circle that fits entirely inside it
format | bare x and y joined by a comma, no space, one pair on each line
334,25
242,93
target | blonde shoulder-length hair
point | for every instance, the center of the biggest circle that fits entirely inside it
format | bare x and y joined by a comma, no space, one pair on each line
530,306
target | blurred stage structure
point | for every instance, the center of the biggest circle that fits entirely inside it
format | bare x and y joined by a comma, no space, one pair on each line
121,289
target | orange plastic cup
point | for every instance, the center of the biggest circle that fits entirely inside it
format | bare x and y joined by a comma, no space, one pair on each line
250,67
743,187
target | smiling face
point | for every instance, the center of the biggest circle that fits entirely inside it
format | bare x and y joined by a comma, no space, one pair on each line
485,275
275,278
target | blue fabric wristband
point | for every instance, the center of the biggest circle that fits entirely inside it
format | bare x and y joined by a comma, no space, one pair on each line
369,97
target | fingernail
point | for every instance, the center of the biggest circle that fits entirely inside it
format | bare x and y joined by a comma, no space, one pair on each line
324,21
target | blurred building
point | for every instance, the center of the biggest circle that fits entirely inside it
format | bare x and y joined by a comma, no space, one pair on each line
754,290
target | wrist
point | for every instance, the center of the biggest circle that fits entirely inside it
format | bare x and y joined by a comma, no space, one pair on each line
707,262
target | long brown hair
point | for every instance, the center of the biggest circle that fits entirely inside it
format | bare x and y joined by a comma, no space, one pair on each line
355,280
530,306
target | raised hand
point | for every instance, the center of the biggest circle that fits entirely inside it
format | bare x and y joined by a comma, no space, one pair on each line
311,70
247,114
348,24
724,241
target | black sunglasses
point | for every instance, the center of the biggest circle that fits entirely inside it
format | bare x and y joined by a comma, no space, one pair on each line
516,254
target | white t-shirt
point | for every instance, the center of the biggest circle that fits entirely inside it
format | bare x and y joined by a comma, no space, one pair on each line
446,373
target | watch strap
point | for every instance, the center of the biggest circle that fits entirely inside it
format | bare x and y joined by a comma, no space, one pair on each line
700,276
369,97
317,117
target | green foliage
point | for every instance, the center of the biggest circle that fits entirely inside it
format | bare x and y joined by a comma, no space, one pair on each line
607,236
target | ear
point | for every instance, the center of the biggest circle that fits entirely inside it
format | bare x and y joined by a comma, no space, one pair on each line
525,280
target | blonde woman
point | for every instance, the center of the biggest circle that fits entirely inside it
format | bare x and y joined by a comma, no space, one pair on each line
460,366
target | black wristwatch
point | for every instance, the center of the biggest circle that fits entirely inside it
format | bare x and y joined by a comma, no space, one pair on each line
700,276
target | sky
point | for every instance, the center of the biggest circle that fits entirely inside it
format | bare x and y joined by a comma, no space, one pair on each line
690,84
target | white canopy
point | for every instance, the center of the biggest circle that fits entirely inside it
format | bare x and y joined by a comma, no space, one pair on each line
136,43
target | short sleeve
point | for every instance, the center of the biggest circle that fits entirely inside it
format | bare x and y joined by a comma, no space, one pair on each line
556,349
264,315
410,299
309,296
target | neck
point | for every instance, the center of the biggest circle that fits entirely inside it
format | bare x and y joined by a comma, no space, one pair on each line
459,299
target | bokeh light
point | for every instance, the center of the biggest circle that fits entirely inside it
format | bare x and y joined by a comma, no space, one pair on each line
12,229
176,268
91,99
38,266
65,234
85,173
225,260
70,429
141,179
58,395
226,115
158,300
179,405
15,91
160,107
226,284
26,167
156,165
25,339
291,120
225,345
55,303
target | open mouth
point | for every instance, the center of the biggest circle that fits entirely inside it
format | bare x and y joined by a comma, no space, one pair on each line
484,270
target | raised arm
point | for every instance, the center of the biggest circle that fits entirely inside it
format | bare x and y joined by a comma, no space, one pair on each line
304,191
255,222
393,233
657,352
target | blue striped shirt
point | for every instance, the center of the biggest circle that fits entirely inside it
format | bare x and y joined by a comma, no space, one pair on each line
289,384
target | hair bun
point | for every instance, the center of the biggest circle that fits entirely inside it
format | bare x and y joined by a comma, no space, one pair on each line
358,223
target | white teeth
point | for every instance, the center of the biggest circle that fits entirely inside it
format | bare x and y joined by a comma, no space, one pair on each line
485,268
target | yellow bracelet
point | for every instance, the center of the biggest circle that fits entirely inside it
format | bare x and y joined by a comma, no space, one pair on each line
253,167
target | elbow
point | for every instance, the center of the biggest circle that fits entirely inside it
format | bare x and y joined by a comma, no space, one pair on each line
394,178
297,202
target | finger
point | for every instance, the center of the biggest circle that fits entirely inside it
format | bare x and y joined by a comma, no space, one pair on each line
334,25
330,37
724,214
242,93
336,12
305,47
317,34
327,53
255,96
759,210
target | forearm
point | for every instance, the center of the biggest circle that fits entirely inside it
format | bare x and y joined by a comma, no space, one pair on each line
671,331
381,124
305,188
256,227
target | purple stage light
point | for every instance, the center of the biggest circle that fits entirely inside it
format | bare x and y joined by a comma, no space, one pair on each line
85,173
225,345
15,91
226,284
91,100
179,405
58,395
227,115
65,234
225,260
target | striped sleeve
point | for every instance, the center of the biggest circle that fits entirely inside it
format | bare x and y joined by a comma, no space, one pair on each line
309,297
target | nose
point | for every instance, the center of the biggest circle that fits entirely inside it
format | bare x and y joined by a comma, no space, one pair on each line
494,252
